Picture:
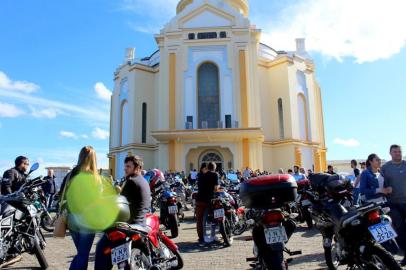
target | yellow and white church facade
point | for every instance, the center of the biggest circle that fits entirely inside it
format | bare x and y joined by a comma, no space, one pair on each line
213,92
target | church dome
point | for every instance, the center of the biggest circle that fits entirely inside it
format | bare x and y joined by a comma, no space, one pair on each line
240,5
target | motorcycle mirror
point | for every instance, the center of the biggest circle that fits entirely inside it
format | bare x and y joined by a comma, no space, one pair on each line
34,167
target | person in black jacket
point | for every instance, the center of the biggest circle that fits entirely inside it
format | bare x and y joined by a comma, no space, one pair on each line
15,177
49,187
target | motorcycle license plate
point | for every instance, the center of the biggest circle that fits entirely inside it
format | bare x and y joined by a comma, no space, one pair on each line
382,232
275,235
172,209
120,254
306,203
218,213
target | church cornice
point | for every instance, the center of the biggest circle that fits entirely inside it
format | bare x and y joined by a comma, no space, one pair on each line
137,146
295,142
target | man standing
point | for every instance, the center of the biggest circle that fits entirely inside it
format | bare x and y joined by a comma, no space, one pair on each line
15,177
394,173
357,181
247,173
49,187
297,175
138,194
193,177
330,170
208,183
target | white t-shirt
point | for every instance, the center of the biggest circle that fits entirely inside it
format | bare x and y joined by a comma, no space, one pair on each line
193,175
246,173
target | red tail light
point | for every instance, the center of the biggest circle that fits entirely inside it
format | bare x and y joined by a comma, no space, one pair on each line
272,218
374,217
136,237
172,200
116,235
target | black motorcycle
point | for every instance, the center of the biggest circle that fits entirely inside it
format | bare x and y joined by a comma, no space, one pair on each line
351,236
19,227
266,197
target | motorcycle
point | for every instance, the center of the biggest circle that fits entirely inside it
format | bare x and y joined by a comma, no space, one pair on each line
19,228
170,210
303,204
339,224
243,224
135,247
221,216
266,197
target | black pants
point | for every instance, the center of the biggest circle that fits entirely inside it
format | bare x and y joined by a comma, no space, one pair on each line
398,215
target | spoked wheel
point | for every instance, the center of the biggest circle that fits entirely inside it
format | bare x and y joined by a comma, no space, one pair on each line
139,261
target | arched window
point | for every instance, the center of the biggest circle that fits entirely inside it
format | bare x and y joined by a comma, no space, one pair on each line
144,123
301,81
208,96
124,123
281,121
303,118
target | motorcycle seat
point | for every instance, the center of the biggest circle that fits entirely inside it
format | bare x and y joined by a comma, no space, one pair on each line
144,229
347,216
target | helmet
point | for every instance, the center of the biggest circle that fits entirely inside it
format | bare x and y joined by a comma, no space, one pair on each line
153,177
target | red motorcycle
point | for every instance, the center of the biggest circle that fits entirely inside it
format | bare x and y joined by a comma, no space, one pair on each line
136,247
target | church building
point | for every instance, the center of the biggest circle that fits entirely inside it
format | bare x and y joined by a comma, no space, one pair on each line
213,92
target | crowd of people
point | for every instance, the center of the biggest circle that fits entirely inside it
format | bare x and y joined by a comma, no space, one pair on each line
371,181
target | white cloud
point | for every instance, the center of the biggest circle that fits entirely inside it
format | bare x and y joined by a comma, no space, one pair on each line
367,30
49,113
347,142
100,134
68,134
10,110
7,84
102,91
78,111
84,136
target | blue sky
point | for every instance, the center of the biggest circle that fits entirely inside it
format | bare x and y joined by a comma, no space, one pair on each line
57,60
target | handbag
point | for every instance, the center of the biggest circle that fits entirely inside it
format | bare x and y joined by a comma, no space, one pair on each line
61,223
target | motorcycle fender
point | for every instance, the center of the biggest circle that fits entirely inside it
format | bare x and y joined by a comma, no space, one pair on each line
168,242
277,246
327,242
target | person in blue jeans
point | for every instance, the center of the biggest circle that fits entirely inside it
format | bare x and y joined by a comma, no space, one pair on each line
82,237
357,180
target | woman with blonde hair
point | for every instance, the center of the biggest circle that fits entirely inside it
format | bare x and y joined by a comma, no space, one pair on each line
86,169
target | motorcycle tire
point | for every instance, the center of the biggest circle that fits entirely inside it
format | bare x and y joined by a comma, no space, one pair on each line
48,221
179,259
39,254
377,255
239,228
273,261
139,261
308,218
225,232
173,224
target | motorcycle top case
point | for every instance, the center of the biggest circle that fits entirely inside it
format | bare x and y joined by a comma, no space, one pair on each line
268,191
323,182
124,209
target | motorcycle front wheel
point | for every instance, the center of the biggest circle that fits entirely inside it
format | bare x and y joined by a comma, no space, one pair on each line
48,220
240,227
39,254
